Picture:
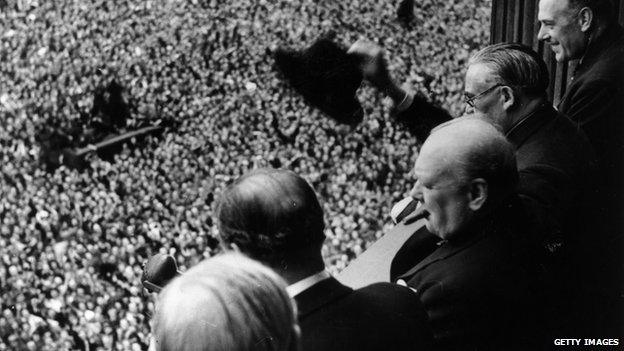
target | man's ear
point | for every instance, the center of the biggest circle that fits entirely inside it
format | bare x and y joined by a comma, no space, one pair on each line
478,193
585,19
508,96
234,247
228,247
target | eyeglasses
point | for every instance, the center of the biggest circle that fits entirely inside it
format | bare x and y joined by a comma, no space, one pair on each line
470,100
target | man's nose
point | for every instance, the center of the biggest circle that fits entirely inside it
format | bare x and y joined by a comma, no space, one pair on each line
541,34
416,192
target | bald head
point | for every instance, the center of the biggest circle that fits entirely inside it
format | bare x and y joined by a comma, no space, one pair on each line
465,166
473,148
271,214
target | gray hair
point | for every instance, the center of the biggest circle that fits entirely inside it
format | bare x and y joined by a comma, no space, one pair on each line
515,65
481,151
228,302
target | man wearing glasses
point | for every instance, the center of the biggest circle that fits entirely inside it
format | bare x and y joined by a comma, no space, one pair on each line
505,84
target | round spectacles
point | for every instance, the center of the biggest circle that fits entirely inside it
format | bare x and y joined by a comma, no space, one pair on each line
470,100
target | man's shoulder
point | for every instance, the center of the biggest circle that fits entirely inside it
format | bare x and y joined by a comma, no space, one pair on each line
380,297
381,300
607,64
386,292
561,130
378,316
331,293
595,93
558,141
322,296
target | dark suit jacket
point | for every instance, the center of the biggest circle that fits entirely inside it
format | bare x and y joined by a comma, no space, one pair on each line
479,289
381,316
555,161
594,100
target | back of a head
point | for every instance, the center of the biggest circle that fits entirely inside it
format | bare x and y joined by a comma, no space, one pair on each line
477,150
228,302
270,214
517,66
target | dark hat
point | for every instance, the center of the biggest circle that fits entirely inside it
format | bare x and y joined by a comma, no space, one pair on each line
159,270
326,76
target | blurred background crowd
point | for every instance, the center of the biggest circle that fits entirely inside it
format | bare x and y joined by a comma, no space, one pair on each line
72,242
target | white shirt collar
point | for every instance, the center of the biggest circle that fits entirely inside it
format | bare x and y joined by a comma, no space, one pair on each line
306,283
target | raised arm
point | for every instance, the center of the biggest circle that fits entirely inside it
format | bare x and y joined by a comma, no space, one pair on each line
417,114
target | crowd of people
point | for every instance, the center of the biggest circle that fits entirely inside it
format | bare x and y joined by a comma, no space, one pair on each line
73,242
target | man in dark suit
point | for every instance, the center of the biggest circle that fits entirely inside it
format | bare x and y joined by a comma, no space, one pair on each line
478,286
274,216
587,31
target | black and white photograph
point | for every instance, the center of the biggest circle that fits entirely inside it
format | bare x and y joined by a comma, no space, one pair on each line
309,175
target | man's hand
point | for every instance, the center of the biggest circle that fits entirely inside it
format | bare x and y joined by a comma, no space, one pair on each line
372,63
375,69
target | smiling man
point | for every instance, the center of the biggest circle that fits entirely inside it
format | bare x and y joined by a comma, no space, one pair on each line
477,286
564,27
587,31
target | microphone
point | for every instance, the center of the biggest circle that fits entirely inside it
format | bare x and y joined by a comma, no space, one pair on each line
158,271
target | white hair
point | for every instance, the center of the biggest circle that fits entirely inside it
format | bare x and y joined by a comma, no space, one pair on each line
228,302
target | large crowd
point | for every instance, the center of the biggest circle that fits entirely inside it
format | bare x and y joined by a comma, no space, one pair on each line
72,242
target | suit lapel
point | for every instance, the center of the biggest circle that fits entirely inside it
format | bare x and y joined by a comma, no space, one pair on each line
521,131
319,295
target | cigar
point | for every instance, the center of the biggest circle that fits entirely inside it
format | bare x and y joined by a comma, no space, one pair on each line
420,213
